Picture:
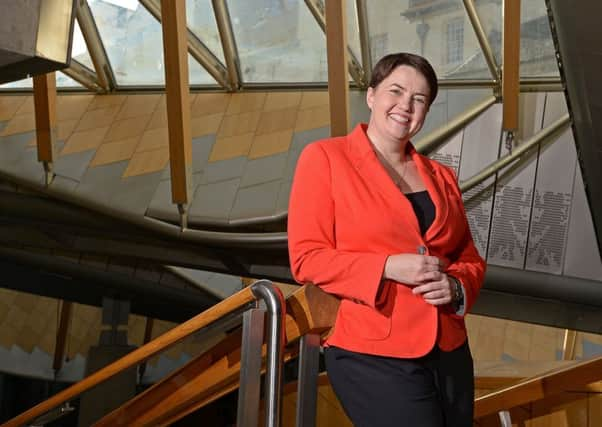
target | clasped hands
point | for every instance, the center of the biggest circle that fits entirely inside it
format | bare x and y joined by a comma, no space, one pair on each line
424,273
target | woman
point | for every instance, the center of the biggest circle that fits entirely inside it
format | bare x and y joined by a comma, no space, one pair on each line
383,228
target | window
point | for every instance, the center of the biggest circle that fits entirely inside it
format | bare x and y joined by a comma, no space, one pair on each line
378,46
455,40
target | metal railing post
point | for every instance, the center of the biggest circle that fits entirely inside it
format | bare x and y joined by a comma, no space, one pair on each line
249,392
307,382
276,308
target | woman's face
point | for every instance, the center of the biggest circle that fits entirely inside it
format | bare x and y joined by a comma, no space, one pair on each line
398,104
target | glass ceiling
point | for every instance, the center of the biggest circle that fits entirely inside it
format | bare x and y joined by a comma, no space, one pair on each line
280,41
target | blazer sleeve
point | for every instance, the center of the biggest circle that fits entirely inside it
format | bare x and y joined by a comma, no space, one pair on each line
313,252
466,264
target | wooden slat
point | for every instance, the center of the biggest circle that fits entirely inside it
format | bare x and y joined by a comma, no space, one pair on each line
137,356
175,43
217,371
44,96
540,387
338,84
61,335
510,69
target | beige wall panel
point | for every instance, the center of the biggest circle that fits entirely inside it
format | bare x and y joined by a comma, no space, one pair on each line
19,124
8,336
282,100
85,140
556,412
69,107
28,338
239,124
545,342
106,101
98,118
9,106
595,410
312,118
278,120
128,128
270,143
313,99
115,152
227,148
246,102
205,125
490,339
517,340
153,140
147,162
210,103
65,128
472,328
159,117
138,105
136,326
26,107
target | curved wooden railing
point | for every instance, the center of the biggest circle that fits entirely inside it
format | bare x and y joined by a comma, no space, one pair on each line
540,387
204,379
216,372
230,305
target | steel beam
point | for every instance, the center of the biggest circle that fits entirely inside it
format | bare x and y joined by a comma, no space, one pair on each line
98,54
362,20
317,9
84,76
542,137
471,10
201,53
224,26
441,135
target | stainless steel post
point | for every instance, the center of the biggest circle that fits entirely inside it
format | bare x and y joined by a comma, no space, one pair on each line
307,385
505,418
274,300
250,368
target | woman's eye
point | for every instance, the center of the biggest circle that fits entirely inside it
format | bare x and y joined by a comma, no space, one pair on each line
420,100
395,91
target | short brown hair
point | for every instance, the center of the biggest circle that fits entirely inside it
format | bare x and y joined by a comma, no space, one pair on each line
390,62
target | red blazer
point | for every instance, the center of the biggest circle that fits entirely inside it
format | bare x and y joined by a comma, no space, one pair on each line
346,216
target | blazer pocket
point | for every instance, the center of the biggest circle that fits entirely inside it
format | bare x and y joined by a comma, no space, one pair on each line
364,321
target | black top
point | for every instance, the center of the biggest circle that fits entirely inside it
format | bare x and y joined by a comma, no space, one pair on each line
424,209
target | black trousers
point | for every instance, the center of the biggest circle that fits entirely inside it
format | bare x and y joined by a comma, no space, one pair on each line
436,390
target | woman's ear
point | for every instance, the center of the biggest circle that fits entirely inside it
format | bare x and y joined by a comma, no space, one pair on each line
370,97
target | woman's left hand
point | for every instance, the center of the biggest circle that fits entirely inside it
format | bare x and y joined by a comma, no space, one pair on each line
436,292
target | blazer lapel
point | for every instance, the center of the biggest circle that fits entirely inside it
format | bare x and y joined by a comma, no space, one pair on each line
435,186
374,174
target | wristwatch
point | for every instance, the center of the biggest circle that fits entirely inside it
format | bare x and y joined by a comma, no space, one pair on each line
457,293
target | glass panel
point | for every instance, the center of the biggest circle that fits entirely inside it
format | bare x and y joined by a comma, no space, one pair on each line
437,29
19,84
63,80
200,19
353,31
537,52
134,42
278,41
79,50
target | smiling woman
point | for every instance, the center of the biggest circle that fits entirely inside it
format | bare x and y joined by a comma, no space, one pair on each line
383,228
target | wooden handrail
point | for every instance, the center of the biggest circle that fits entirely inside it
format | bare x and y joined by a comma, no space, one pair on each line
216,372
137,356
540,387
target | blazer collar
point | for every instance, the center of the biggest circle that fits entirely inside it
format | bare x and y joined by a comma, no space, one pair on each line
367,164
362,152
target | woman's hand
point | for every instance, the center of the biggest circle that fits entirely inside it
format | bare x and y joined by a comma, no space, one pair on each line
413,269
436,292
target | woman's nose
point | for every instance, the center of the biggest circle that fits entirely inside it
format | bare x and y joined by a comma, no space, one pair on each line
405,103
